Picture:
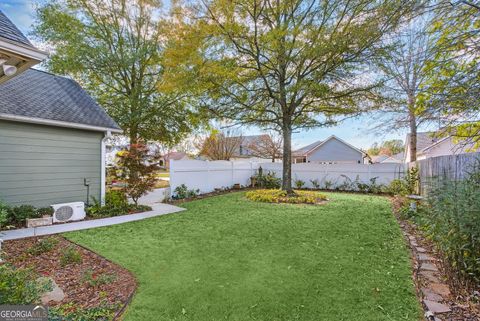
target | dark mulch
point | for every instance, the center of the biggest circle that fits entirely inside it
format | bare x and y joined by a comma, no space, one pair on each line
70,277
463,300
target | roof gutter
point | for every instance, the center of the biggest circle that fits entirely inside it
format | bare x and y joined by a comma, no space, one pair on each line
23,50
58,123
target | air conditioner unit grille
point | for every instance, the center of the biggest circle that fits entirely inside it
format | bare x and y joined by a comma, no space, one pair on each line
64,213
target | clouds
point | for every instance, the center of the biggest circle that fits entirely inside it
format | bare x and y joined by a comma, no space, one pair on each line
21,12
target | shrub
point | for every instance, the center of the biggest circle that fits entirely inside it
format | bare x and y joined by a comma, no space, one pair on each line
4,215
328,184
73,312
93,280
452,221
279,196
19,214
116,203
182,192
413,179
70,255
43,246
20,286
137,168
398,187
268,180
299,183
315,183
44,211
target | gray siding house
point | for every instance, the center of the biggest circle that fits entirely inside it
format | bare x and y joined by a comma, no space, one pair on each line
51,141
52,133
333,150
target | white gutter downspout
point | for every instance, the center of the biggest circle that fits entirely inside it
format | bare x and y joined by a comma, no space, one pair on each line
103,171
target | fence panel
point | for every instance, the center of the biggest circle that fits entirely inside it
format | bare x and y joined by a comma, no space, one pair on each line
208,175
451,167
336,174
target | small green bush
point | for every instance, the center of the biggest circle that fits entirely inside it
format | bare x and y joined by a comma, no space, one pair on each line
19,214
116,203
398,187
182,192
73,312
299,184
20,286
93,280
70,255
43,246
279,196
315,183
268,180
44,211
4,215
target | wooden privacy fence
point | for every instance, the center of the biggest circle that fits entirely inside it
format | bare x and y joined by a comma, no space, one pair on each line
451,167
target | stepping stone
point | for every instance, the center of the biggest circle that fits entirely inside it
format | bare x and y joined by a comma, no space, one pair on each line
420,249
430,276
55,295
414,243
428,267
425,257
440,288
431,296
436,307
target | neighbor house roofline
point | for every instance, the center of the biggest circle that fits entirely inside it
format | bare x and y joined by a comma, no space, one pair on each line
22,49
41,121
435,144
339,139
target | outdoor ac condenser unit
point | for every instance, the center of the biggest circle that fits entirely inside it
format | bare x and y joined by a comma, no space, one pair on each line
68,212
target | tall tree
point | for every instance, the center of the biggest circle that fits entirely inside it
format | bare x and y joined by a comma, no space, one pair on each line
286,64
388,147
220,145
267,146
455,69
405,80
114,49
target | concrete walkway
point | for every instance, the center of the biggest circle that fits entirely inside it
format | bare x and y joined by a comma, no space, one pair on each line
157,210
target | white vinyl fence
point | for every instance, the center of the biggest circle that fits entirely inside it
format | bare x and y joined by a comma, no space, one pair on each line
209,175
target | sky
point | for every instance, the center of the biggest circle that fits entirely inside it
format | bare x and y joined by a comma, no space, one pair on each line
358,132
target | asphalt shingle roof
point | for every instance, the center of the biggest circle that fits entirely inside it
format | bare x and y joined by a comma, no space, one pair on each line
9,31
39,94
304,150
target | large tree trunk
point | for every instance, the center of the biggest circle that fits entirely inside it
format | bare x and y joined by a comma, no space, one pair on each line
413,136
287,160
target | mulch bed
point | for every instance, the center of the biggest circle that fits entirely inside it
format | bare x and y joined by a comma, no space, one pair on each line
433,281
70,278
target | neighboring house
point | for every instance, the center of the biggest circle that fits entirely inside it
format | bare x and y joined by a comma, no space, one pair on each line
164,161
429,144
380,159
333,150
52,136
17,54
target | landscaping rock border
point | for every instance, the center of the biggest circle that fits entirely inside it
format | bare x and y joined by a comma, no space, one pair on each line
433,291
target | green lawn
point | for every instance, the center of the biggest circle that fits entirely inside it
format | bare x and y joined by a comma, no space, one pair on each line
228,258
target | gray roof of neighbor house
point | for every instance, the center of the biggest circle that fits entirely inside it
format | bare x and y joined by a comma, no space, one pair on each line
36,94
304,150
424,139
9,31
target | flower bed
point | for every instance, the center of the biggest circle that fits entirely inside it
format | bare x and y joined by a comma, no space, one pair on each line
92,285
279,196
